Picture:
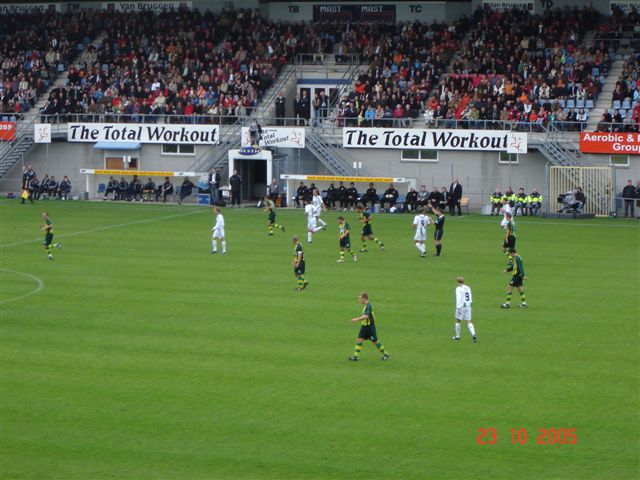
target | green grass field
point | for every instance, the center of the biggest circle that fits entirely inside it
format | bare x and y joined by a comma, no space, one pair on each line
143,356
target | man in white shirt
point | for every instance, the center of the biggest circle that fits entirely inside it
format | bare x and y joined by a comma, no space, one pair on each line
504,210
319,207
312,224
218,233
463,308
420,222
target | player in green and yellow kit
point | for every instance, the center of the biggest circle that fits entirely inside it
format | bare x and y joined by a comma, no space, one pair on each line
367,232
518,277
270,207
345,240
367,329
48,236
299,264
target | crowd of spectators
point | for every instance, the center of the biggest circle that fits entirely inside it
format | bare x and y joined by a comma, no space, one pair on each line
34,48
624,116
182,63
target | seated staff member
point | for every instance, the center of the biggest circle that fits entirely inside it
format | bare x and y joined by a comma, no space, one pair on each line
496,202
411,200
351,196
165,189
535,202
389,197
112,185
121,191
148,190
186,189
53,186
521,200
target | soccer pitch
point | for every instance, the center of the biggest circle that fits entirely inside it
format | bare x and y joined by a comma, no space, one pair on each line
136,353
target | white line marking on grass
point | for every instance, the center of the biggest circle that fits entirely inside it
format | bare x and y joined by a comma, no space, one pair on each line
39,283
106,227
568,222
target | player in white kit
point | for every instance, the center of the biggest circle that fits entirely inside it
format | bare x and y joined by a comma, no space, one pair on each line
312,224
506,208
319,207
420,223
463,308
218,233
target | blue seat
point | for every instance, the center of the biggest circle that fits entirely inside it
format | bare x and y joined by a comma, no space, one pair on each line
595,72
102,188
616,104
571,103
588,104
561,102
579,103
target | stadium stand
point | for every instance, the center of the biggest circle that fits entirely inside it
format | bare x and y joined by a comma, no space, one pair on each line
35,48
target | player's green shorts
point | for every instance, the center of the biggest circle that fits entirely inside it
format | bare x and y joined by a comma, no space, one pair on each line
510,242
48,239
516,281
299,270
272,217
345,242
368,332
366,230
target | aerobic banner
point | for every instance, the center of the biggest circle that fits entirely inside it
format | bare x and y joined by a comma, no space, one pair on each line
427,139
147,133
283,137
610,143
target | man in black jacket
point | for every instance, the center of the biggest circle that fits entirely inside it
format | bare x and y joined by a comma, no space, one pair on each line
281,104
455,195
121,191
390,196
301,194
148,190
112,185
186,189
370,196
235,182
411,200
214,185
629,195
341,194
351,197
444,199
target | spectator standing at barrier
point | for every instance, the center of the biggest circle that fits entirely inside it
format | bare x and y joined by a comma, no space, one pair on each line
112,185
535,202
351,196
65,188
444,199
638,195
390,197
235,182
305,106
281,106
297,110
255,133
411,200
455,195
214,185
186,189
629,195
580,200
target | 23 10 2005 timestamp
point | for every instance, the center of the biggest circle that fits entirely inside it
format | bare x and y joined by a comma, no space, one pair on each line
520,436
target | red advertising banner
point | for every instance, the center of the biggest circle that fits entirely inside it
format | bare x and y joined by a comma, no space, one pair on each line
610,143
7,131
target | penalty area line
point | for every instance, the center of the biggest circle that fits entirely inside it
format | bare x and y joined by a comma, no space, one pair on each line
39,286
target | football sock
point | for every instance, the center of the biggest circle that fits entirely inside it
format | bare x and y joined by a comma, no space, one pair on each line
317,229
309,236
438,249
523,298
508,297
322,222
380,347
419,247
300,281
341,254
457,330
379,242
281,227
214,246
472,330
356,352
364,245
270,229
224,246
353,255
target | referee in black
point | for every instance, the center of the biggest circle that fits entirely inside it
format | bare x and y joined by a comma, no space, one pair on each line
439,231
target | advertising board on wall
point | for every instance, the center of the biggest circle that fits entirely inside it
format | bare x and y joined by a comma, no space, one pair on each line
13,8
7,131
355,13
159,6
426,139
283,137
149,133
610,143
503,5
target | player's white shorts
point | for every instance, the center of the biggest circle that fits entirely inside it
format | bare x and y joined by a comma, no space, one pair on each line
503,223
421,235
463,313
218,233
311,224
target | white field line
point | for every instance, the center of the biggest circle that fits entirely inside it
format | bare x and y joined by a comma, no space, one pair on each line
39,286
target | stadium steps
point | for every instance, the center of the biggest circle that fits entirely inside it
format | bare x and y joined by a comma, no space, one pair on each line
604,102
15,150
334,157
286,82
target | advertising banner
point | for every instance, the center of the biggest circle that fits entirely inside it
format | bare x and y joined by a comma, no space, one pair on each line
425,139
159,6
42,133
610,143
149,133
284,137
7,131
9,8
503,5
354,13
